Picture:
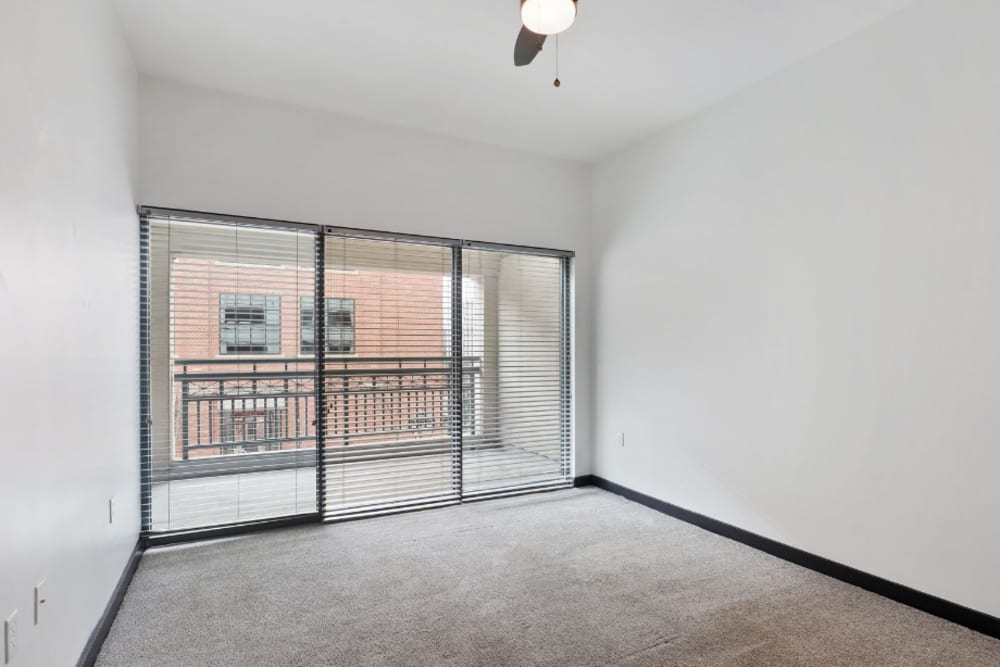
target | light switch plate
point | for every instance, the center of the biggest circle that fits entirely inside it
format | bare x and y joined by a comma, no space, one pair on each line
10,638
39,600
111,509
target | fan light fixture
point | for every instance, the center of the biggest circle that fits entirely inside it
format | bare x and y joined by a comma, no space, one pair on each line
548,17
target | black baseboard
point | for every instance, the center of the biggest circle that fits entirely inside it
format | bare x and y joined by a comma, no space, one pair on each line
100,633
950,611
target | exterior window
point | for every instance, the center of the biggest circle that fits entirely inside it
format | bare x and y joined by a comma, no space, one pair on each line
250,324
339,325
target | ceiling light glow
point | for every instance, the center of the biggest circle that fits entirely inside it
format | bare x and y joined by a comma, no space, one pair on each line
547,17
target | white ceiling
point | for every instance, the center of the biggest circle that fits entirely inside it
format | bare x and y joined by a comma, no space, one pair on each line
628,67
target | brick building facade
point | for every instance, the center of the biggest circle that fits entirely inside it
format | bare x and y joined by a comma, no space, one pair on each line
243,351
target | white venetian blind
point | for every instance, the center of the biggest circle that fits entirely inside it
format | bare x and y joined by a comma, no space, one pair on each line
515,321
231,437
390,439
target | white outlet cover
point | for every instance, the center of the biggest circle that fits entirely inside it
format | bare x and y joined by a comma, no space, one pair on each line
39,600
10,638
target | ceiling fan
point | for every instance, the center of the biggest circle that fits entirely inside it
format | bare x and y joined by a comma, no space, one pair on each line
541,18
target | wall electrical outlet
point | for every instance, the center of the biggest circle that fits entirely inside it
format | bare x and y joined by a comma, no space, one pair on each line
39,600
621,439
10,638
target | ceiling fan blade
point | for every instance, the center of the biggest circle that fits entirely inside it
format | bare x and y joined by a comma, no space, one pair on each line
527,46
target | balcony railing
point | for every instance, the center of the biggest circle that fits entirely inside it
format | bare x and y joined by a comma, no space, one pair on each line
228,407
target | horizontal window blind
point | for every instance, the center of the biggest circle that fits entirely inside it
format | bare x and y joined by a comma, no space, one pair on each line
231,405
515,323
291,370
389,438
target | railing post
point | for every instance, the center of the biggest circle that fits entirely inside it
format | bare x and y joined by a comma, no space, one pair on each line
346,408
287,412
470,379
222,416
185,438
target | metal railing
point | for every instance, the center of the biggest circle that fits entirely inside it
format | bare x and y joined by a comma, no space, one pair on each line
228,407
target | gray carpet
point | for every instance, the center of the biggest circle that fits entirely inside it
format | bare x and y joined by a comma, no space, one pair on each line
578,577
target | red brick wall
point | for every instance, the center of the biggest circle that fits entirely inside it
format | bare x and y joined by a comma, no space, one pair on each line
395,315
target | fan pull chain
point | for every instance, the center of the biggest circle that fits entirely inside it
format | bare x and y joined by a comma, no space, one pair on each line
557,82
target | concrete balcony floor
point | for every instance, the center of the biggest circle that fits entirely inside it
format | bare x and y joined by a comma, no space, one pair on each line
247,495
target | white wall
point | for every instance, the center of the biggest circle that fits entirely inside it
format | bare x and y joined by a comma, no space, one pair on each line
798,306
223,153
68,318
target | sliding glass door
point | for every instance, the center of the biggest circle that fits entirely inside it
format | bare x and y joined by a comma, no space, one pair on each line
299,371
514,327
231,393
390,398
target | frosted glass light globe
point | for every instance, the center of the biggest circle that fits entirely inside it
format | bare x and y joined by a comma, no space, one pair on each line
547,17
